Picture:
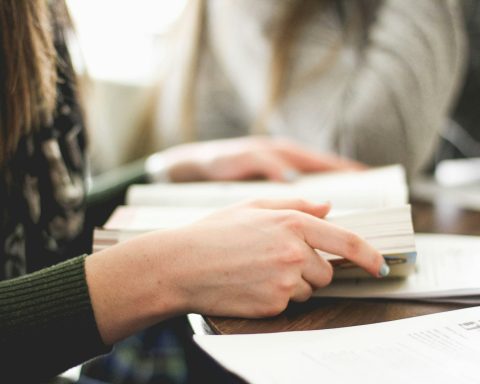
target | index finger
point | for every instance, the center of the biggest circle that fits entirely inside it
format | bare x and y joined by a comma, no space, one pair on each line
328,237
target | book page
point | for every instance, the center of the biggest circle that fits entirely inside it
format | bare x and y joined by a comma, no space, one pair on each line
447,266
373,188
145,218
439,348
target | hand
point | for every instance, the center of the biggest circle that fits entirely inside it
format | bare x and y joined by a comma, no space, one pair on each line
247,158
251,259
248,260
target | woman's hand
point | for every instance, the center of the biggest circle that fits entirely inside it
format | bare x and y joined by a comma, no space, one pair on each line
251,259
248,260
244,158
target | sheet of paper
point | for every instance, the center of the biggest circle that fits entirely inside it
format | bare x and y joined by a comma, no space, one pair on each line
447,266
375,188
440,348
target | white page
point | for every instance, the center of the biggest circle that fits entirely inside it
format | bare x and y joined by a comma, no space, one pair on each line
375,188
141,218
379,222
439,348
447,265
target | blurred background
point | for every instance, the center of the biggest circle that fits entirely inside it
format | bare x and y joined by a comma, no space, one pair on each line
119,46
123,48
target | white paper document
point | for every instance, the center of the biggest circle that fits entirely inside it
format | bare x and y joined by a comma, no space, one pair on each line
441,348
447,266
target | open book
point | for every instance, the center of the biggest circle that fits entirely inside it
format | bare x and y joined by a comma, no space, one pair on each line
380,194
373,188
389,230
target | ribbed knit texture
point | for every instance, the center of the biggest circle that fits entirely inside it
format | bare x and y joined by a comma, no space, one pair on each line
47,323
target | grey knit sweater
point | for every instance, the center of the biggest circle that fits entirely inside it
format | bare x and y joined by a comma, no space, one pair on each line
382,100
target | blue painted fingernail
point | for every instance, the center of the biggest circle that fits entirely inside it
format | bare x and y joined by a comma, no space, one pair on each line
384,270
290,175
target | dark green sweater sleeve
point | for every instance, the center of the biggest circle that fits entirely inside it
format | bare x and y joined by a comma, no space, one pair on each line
47,323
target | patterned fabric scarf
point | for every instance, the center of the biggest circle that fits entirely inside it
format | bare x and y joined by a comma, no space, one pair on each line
42,193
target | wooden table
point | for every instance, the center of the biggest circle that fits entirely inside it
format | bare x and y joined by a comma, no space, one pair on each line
321,313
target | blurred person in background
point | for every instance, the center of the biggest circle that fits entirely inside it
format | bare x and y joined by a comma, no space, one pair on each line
372,80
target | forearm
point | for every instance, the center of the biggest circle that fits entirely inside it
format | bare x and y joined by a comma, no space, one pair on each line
402,91
46,323
64,315
131,286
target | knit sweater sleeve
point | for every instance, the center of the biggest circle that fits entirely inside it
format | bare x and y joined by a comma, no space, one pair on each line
401,93
47,323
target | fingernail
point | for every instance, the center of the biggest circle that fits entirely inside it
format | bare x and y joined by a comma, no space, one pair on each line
384,270
290,175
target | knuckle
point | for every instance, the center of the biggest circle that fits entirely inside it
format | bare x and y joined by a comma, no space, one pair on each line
328,276
286,285
292,220
280,305
292,254
273,308
304,296
264,310
273,311
353,244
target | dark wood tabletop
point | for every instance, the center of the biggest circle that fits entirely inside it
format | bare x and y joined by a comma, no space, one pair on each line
321,313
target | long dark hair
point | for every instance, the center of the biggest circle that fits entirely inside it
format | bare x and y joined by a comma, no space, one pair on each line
28,69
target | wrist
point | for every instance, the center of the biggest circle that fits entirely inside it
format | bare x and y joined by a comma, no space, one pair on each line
131,287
